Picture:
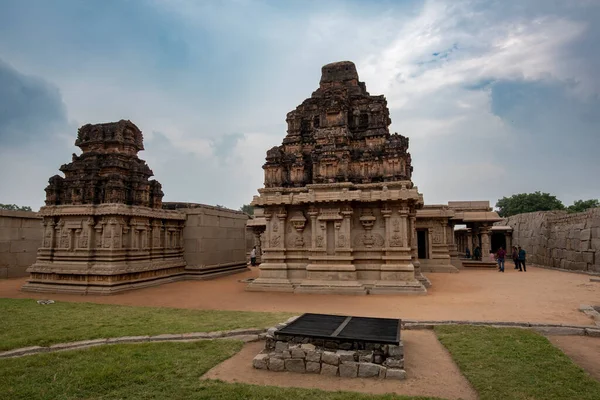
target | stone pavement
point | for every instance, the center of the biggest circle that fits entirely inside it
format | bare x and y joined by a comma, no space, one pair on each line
539,295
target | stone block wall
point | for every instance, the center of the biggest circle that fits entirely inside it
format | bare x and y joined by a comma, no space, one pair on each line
213,237
214,240
347,359
21,235
558,239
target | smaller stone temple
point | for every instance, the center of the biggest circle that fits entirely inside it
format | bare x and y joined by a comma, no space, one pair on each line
104,228
338,203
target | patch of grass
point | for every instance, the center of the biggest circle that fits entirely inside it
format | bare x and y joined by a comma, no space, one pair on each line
142,371
23,322
132,371
511,363
225,391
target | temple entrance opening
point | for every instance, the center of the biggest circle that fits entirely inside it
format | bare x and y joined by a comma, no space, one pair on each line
498,240
422,244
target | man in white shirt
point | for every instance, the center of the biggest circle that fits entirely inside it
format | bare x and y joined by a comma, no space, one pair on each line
253,257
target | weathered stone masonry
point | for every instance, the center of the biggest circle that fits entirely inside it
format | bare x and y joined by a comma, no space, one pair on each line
558,239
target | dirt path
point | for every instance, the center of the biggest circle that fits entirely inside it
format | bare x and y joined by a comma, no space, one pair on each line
539,295
584,351
431,372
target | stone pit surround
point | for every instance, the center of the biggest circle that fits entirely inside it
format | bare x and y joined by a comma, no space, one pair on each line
319,356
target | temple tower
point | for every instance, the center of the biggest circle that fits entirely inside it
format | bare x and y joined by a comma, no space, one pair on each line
104,227
338,199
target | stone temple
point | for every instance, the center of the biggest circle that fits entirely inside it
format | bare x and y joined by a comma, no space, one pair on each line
338,201
104,227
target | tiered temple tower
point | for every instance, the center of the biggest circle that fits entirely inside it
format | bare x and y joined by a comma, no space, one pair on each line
104,227
338,200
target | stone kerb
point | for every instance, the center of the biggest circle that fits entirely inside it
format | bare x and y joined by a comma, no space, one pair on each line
326,362
318,356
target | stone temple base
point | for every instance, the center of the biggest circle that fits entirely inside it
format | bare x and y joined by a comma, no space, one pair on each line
106,249
435,266
355,288
106,288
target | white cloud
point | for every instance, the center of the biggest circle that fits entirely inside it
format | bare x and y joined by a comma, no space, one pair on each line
263,59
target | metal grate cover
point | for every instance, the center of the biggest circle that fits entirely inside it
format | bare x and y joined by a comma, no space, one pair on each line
345,328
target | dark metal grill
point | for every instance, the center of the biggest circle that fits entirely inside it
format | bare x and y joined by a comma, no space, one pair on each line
343,328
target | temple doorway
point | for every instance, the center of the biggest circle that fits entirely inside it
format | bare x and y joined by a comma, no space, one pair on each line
422,244
498,239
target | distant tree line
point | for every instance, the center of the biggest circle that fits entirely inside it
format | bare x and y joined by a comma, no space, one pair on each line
537,201
14,207
248,209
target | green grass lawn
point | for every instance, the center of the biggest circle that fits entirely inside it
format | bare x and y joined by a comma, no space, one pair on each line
23,322
510,363
141,371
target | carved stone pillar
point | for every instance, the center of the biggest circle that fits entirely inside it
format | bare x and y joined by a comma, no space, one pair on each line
430,241
470,242
344,238
267,243
486,239
281,217
258,244
386,213
508,239
313,213
413,241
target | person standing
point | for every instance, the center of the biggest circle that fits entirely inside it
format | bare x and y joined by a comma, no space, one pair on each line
522,256
515,256
477,254
253,257
500,254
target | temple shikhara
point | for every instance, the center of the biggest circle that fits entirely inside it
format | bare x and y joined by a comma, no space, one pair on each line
339,203
104,227
339,212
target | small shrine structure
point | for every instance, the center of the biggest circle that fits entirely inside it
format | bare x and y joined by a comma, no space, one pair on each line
104,227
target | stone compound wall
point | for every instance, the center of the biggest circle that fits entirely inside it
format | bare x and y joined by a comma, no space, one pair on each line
20,236
214,238
559,240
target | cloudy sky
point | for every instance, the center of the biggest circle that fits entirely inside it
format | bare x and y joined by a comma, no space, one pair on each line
497,97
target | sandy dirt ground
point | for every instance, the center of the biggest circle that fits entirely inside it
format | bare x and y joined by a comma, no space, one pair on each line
538,295
430,370
583,350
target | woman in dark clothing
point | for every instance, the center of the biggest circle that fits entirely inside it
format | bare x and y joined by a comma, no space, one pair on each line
515,256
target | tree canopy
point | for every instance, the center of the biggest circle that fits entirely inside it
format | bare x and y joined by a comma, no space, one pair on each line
248,209
582,205
14,207
537,201
528,202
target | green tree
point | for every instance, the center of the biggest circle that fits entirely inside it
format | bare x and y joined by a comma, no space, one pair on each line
582,205
14,207
248,209
528,202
